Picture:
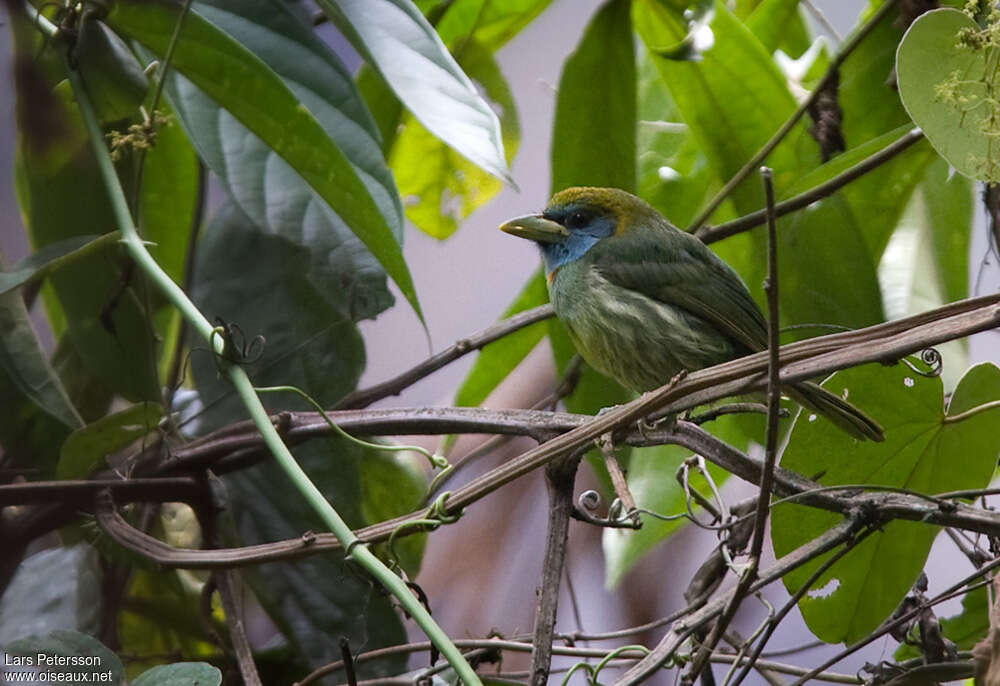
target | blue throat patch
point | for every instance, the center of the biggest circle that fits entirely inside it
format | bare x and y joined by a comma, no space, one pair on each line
576,245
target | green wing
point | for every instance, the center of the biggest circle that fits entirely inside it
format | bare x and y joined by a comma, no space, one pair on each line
676,268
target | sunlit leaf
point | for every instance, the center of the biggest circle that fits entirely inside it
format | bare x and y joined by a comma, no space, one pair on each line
86,448
403,47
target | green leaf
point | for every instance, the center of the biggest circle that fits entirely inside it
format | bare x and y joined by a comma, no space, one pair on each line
54,589
161,615
440,188
38,264
945,86
593,135
61,197
674,174
949,205
926,449
319,599
238,80
499,359
95,656
868,99
180,674
256,175
114,78
307,341
403,47
732,100
24,367
309,344
490,23
779,23
392,485
169,200
86,448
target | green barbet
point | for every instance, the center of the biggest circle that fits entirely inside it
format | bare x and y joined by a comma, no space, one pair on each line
643,300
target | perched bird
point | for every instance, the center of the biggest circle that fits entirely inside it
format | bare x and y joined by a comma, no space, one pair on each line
643,300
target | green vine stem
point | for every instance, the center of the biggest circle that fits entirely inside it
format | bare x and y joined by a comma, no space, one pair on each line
359,552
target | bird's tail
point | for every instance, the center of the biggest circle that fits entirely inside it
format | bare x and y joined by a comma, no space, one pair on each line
836,409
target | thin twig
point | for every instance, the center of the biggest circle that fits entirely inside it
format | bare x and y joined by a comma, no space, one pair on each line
559,478
749,574
618,479
845,50
394,386
711,234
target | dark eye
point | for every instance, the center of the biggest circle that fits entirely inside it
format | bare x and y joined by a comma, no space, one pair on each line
576,220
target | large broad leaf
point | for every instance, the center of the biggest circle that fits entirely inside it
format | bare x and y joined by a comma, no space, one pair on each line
317,600
52,590
311,345
266,187
499,359
928,448
945,84
281,114
62,196
94,660
306,341
440,188
403,47
42,262
593,136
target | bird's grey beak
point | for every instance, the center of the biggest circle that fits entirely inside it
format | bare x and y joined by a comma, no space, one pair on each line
535,228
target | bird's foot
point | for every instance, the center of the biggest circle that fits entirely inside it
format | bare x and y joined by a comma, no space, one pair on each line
645,426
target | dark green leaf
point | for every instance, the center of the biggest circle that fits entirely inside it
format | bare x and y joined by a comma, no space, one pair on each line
593,136
396,40
54,589
96,300
319,599
96,658
499,359
309,344
307,341
925,450
26,372
240,82
440,188
180,674
86,449
49,259
114,78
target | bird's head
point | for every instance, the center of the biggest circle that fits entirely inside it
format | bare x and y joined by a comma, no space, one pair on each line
575,220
